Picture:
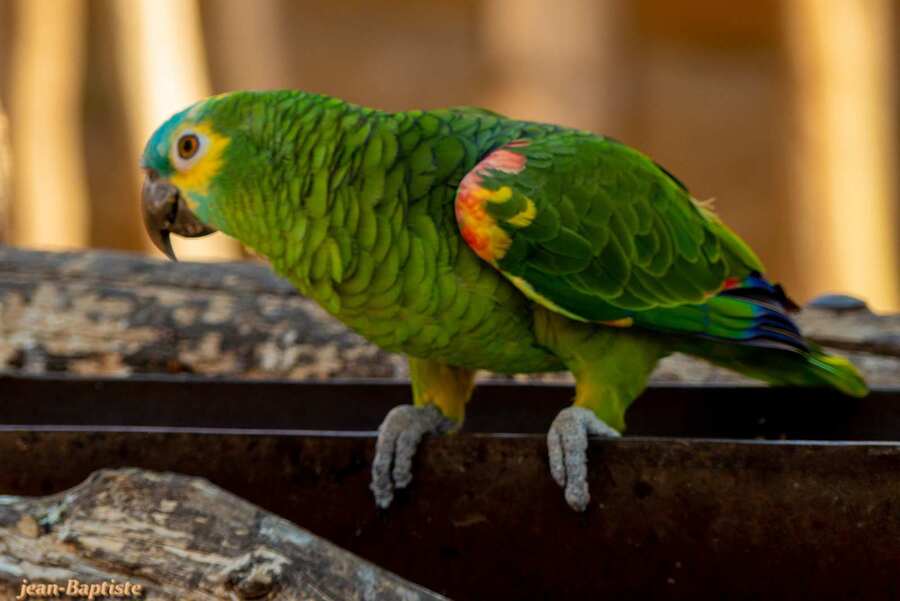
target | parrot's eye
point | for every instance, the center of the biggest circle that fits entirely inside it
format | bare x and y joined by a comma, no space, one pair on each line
188,148
188,145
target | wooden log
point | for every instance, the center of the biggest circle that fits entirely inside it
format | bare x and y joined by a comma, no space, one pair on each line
98,313
178,538
106,313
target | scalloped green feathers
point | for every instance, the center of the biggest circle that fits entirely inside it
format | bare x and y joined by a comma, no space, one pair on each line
596,232
596,228
355,208
444,234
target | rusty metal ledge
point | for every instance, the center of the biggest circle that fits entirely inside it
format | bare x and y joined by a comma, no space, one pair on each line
672,518
681,519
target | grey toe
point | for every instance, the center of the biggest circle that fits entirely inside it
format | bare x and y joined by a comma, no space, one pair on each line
567,443
398,437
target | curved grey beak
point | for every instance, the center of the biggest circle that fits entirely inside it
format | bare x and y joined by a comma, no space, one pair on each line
165,213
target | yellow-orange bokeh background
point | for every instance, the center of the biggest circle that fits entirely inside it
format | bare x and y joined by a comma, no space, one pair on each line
784,111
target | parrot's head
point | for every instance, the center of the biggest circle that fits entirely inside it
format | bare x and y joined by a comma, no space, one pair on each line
192,164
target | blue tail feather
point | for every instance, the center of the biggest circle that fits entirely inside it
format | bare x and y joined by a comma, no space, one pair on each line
751,311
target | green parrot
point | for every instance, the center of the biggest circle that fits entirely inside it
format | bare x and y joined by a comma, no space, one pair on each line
466,240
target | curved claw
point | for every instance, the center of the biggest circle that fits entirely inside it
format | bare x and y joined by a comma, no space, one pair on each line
398,437
567,443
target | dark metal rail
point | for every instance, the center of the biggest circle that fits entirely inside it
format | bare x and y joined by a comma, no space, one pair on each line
359,406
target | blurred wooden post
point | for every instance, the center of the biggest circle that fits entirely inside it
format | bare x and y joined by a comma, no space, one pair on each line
843,173
50,196
5,177
556,61
162,67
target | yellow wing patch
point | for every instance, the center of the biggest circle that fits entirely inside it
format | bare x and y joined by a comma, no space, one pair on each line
529,291
477,227
480,229
499,196
524,217
625,322
504,194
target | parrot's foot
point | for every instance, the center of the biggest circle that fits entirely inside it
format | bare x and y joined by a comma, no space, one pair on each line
567,443
398,437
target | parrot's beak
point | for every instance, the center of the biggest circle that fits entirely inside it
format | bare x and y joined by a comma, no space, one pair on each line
165,213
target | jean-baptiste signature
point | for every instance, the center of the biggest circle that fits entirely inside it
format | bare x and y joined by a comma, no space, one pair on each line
75,589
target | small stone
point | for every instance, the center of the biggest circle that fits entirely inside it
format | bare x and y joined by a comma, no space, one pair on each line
837,302
28,526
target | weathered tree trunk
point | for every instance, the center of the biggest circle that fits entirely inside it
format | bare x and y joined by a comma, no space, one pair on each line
178,538
104,313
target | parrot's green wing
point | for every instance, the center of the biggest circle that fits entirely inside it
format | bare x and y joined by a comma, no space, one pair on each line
474,110
596,231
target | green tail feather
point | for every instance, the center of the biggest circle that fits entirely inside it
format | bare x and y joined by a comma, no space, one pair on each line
837,372
780,367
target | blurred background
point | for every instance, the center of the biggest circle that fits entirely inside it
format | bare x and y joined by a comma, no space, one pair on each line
783,111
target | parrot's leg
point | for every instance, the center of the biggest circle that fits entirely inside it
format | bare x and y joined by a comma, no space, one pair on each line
611,368
440,393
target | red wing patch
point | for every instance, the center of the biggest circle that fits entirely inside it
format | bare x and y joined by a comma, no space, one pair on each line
477,227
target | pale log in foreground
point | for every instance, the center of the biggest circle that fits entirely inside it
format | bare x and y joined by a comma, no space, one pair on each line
182,539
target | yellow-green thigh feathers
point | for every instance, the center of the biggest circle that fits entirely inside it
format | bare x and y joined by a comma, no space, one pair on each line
611,365
444,386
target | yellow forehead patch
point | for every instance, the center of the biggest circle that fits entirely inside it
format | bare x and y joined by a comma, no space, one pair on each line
194,176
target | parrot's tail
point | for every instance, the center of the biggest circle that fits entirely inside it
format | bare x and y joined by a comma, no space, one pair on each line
746,328
837,372
812,367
